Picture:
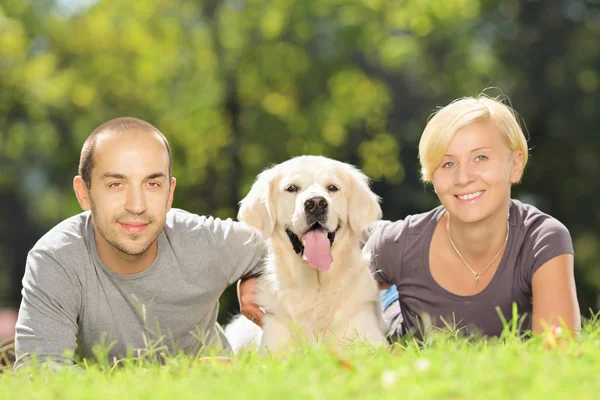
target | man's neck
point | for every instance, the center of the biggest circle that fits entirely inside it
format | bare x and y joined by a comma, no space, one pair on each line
122,263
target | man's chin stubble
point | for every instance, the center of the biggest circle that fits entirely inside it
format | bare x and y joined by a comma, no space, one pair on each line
131,253
121,248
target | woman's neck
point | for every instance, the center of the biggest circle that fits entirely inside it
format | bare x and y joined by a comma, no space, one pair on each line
477,241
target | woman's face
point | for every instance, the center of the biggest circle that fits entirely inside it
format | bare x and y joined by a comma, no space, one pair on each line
474,178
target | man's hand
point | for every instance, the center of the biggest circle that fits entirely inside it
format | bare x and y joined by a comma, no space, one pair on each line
246,291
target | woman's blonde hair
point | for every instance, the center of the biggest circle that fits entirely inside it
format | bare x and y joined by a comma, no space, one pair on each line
462,112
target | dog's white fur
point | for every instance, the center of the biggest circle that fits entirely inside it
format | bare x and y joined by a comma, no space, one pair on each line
301,303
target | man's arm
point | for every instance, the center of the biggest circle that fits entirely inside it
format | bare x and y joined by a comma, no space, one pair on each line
554,296
47,325
240,249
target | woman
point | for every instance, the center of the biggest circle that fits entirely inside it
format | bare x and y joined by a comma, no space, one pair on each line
461,264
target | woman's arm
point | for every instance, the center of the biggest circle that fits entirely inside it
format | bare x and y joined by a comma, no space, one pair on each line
554,296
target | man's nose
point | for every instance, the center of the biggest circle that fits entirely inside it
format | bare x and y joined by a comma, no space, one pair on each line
136,203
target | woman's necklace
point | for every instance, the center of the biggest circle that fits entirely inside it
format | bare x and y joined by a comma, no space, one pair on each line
477,274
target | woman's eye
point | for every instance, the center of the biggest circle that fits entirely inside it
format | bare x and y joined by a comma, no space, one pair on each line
332,188
481,158
291,189
449,164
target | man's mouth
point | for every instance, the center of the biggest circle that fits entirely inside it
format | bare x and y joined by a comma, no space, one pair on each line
314,246
134,226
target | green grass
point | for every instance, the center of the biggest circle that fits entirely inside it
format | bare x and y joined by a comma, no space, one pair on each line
446,366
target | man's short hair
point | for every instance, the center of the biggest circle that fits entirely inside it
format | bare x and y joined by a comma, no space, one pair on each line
115,126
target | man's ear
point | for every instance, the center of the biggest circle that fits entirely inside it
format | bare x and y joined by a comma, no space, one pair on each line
258,207
171,192
82,193
363,205
516,171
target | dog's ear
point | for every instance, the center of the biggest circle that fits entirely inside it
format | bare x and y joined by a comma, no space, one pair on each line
258,207
363,205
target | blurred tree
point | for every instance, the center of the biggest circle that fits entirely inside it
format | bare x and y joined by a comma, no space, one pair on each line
237,85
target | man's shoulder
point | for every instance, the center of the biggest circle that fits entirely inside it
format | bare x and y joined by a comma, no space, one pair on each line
179,220
184,225
66,236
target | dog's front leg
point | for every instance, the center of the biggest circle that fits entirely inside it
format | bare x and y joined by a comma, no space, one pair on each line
367,326
277,336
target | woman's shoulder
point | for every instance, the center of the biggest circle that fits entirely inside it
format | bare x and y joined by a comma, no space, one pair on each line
531,219
543,236
416,223
413,224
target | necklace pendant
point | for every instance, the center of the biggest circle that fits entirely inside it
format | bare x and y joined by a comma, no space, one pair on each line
477,279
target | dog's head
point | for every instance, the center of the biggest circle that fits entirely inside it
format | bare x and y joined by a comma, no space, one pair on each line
311,199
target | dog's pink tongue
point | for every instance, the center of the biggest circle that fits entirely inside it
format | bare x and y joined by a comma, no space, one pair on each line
317,249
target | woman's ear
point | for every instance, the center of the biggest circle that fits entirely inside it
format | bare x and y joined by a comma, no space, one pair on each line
516,171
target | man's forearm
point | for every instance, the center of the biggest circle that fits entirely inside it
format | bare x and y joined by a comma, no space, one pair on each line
54,362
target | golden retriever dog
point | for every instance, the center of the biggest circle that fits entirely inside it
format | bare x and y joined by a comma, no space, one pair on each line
317,287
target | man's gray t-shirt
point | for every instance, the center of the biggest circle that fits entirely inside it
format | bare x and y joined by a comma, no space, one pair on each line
400,252
72,301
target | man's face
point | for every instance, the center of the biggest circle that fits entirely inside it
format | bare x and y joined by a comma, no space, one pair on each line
130,191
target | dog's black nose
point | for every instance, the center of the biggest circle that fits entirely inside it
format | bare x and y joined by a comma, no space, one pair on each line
316,204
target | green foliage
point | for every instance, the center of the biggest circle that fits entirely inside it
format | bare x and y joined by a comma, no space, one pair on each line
446,368
238,85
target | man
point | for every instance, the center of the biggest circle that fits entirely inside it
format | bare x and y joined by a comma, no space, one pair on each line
129,273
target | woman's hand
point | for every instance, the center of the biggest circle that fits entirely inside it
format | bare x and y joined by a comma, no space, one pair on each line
246,291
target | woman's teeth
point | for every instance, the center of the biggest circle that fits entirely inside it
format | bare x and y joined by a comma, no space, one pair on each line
470,196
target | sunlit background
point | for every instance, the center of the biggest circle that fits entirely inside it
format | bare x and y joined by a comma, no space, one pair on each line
237,85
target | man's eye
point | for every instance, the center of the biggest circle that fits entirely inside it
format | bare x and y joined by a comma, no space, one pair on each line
291,189
332,188
115,185
154,185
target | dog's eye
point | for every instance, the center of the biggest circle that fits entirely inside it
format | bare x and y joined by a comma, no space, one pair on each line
332,188
291,189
